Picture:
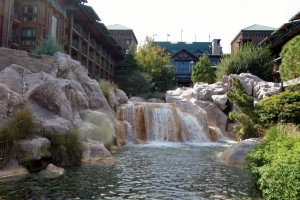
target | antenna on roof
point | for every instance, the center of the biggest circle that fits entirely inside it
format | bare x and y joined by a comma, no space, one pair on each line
195,38
209,37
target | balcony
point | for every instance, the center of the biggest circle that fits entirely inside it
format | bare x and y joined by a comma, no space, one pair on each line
76,27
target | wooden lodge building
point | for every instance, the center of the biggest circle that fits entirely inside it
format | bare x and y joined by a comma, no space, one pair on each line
185,55
74,25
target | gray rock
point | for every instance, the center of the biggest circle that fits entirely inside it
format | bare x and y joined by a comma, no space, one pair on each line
121,96
236,154
33,149
93,151
220,101
137,99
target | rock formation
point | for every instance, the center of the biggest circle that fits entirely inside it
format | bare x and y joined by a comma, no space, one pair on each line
61,96
212,97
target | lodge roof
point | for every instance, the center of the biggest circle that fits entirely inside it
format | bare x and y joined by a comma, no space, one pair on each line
257,28
284,33
118,27
196,48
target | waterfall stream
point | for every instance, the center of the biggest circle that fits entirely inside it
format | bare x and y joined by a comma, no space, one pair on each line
161,122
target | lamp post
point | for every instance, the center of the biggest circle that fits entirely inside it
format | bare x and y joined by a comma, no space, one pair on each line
168,36
181,34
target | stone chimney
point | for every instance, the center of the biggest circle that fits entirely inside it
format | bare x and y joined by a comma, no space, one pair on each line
216,47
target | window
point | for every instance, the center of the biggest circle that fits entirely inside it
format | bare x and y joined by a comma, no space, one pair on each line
28,32
28,42
29,19
126,51
127,42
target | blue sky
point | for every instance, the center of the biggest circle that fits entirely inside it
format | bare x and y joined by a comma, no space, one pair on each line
200,20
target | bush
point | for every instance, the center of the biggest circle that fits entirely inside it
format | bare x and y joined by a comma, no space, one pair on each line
203,72
280,108
274,164
66,149
48,47
157,95
249,59
290,65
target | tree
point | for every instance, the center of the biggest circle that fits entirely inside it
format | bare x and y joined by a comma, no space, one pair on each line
203,72
153,61
249,59
246,116
48,47
290,65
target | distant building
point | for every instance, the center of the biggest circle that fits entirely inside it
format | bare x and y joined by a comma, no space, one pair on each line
254,34
74,25
124,36
185,55
279,38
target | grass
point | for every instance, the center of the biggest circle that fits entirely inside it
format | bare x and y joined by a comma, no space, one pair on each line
20,126
65,149
106,87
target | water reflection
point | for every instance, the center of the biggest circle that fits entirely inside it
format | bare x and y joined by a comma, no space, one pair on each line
154,171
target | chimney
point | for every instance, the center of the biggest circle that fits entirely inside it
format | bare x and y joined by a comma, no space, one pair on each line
216,47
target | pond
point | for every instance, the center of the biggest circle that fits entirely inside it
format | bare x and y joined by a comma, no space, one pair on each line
151,171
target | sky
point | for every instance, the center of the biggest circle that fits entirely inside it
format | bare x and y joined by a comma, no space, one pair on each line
193,20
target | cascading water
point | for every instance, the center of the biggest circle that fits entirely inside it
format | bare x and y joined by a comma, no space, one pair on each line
161,122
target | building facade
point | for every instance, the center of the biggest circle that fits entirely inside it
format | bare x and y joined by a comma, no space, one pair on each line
279,38
124,36
185,55
74,25
254,34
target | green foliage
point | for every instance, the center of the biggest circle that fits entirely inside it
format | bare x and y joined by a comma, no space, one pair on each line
134,83
274,164
248,119
153,60
249,59
157,95
66,149
107,87
280,108
20,126
48,47
290,65
203,72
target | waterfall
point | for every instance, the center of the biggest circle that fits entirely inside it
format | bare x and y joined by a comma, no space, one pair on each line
160,122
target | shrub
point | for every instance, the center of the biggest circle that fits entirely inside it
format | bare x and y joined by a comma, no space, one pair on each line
290,65
249,125
107,87
66,149
203,72
274,164
48,47
157,95
249,59
280,108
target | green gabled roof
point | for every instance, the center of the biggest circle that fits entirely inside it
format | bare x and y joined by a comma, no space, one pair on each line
193,47
118,27
257,27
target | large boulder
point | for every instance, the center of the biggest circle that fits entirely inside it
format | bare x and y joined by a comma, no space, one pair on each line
236,154
94,151
33,149
121,96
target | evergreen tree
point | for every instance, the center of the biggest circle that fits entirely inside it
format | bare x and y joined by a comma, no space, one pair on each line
248,120
290,66
203,72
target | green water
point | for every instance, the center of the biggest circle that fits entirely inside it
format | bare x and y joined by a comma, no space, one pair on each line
154,171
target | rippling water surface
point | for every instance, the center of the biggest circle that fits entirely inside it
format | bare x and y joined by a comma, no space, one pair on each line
153,171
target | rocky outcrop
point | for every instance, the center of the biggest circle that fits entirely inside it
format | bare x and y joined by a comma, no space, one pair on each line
213,100
236,154
33,149
94,151
61,96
